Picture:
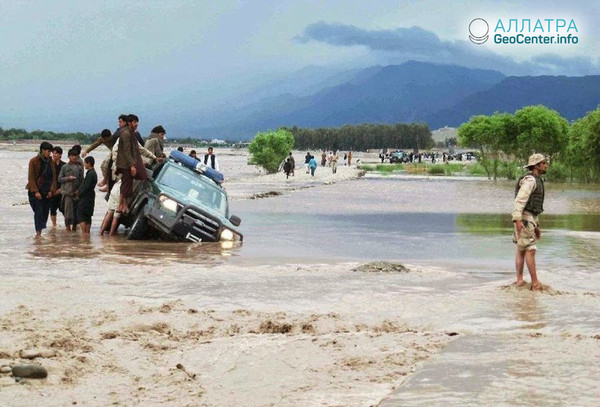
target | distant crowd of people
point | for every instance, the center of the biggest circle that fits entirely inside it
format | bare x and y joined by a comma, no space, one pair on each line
420,157
54,185
328,159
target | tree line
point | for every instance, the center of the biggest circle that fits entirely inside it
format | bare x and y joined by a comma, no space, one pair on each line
362,137
87,138
22,134
506,140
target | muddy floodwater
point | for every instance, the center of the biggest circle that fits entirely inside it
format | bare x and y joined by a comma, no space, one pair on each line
513,347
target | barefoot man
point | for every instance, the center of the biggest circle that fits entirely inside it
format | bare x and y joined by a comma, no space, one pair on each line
128,151
529,203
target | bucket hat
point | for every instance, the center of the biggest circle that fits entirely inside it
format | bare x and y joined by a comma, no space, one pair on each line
535,159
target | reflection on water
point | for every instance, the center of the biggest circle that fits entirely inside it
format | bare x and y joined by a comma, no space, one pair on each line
168,252
62,245
496,223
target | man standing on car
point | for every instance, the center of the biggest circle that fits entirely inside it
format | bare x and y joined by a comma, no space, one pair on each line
128,153
211,160
528,204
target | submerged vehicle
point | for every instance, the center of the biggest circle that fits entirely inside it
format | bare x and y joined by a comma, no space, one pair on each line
183,201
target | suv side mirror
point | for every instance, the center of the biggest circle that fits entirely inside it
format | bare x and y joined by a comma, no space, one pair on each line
235,220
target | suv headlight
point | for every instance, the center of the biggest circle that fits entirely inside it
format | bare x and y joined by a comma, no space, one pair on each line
229,235
168,203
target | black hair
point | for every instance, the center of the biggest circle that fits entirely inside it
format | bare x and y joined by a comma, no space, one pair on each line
159,129
77,148
105,133
72,152
123,117
132,118
57,149
45,146
180,148
90,160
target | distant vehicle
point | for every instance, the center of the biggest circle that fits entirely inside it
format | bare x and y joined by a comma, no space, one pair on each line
399,156
183,201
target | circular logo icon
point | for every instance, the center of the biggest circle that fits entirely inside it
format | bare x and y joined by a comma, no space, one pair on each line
478,31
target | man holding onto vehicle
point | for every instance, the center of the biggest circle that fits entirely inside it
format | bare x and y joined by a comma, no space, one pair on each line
107,165
528,205
105,138
112,217
155,142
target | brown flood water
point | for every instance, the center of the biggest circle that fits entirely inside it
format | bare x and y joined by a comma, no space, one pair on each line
456,230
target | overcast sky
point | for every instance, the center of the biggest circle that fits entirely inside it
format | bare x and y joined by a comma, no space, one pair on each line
72,65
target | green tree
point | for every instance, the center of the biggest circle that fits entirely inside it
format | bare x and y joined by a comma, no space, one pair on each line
540,130
269,149
490,135
583,152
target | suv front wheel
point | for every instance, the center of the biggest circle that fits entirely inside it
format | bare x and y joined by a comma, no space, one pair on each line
139,229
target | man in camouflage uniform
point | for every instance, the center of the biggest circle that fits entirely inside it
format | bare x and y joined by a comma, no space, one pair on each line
528,205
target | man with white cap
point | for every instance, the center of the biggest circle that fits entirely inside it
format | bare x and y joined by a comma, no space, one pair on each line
528,205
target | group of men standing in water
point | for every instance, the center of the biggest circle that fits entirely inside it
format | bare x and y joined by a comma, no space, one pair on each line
55,185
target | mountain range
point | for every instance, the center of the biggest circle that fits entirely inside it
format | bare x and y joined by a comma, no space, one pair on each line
439,95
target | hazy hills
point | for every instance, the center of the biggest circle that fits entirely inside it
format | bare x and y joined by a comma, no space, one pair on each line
572,97
439,95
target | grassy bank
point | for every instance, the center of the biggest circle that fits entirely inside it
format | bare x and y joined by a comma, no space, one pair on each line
426,168
506,170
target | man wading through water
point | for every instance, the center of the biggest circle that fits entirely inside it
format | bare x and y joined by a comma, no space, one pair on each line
41,186
529,203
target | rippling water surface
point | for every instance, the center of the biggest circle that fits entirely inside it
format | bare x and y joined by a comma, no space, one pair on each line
457,230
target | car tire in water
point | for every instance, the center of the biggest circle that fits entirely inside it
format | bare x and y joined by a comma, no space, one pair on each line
139,229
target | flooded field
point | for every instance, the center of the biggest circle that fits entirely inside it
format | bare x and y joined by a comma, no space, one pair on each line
298,256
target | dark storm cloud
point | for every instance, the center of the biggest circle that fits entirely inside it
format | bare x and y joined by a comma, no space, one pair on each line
418,43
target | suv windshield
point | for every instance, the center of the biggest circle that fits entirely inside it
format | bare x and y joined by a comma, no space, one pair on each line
194,187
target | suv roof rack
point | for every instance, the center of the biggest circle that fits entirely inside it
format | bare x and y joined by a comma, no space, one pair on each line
197,165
